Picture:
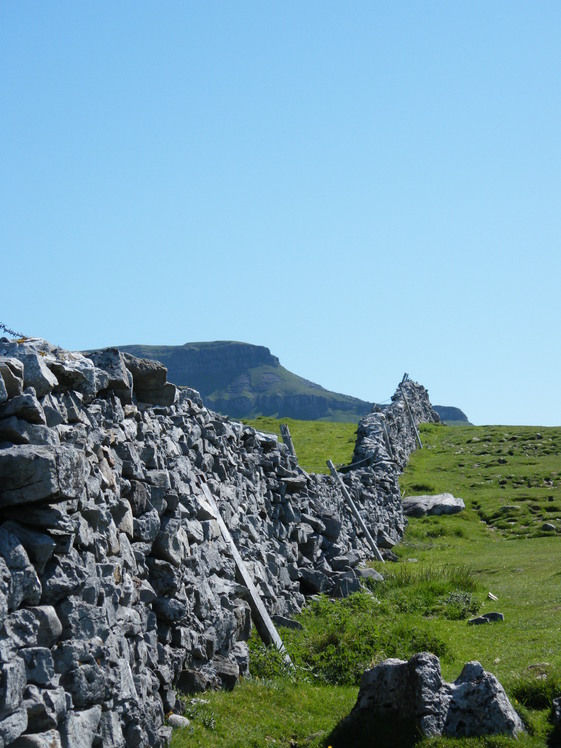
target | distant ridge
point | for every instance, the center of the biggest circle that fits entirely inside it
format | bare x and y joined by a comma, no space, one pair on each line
245,381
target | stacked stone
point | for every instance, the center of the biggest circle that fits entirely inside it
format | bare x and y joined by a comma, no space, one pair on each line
116,585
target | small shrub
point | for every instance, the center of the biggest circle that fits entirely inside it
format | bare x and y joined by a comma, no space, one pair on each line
268,662
199,710
460,605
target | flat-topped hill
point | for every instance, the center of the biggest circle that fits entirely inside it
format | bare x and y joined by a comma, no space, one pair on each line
246,381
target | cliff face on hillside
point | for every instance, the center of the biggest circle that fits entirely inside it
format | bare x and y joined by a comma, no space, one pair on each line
244,381
117,584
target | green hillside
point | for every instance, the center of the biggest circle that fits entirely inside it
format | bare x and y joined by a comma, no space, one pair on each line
246,381
507,541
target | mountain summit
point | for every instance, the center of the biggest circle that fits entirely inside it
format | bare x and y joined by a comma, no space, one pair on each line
246,381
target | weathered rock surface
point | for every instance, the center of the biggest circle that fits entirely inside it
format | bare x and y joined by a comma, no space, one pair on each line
474,704
442,503
116,585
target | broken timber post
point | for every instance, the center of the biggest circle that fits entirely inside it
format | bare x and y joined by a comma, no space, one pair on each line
355,511
420,443
263,623
387,440
287,439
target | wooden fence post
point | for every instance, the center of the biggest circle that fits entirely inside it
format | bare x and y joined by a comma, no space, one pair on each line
355,511
420,443
287,439
263,623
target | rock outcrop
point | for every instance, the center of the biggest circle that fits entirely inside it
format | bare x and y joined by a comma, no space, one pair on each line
474,704
116,584
441,503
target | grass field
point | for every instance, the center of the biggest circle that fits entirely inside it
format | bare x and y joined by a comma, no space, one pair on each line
506,542
314,441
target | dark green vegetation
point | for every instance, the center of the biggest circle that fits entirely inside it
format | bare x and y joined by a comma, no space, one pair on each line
446,567
246,381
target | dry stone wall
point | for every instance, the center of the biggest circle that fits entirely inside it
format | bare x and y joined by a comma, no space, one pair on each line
116,585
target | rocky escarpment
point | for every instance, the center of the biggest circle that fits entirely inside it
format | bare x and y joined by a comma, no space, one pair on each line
244,381
116,583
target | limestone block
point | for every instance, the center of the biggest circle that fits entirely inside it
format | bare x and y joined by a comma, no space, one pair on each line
146,526
49,739
3,391
26,407
63,576
12,685
419,506
11,372
119,379
36,373
29,474
46,707
25,586
12,726
39,665
18,431
80,727
75,372
172,542
38,545
475,704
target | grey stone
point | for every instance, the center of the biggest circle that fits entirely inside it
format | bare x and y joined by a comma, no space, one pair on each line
25,586
80,728
119,380
12,685
26,407
3,391
33,627
64,575
139,497
11,372
178,722
36,374
17,431
172,542
444,503
314,581
110,730
76,372
475,704
370,574
479,706
146,526
46,707
48,739
149,381
29,474
12,726
38,545
39,665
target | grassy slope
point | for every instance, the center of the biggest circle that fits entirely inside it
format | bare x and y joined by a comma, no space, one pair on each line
314,441
460,558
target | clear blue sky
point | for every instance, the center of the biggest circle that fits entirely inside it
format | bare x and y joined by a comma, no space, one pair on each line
365,187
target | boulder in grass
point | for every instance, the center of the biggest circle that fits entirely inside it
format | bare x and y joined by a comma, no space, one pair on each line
442,503
475,704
